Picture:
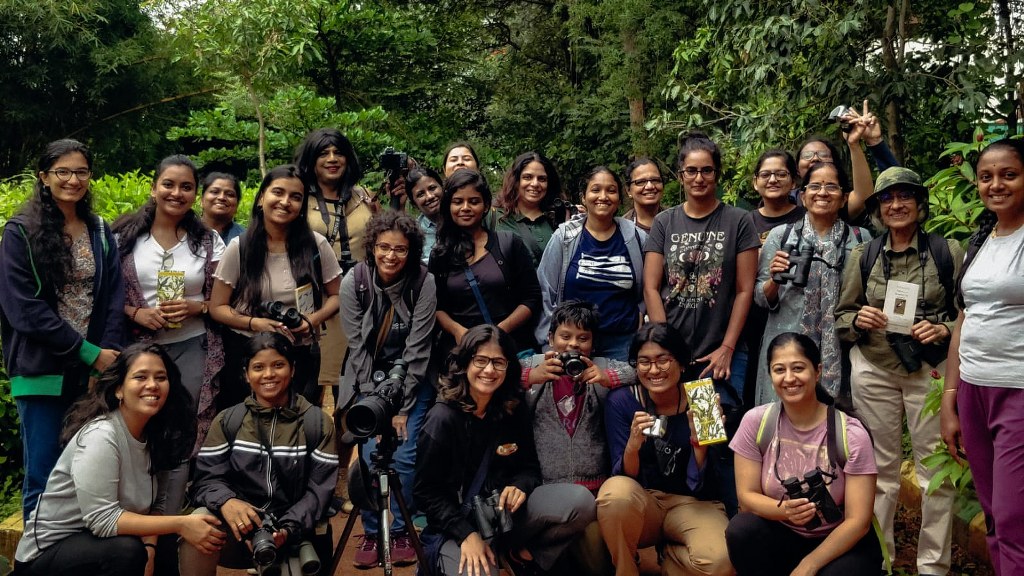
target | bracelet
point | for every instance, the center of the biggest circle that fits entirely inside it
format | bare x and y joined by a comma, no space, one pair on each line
150,545
136,313
250,323
947,390
731,349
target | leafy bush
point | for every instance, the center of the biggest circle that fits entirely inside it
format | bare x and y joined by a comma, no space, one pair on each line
10,442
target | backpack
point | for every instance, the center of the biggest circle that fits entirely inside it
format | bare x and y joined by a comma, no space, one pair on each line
411,296
936,247
837,442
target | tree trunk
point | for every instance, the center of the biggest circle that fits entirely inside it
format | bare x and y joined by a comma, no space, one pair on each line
892,60
1014,104
635,94
262,139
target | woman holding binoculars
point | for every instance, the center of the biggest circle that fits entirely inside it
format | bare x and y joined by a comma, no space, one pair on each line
277,259
792,522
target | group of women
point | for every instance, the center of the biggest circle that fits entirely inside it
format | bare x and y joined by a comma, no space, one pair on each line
468,287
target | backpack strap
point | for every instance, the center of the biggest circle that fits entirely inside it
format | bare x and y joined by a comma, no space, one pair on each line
312,426
232,422
412,296
838,441
868,258
938,247
766,429
362,272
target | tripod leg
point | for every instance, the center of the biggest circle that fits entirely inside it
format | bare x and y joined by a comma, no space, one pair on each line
407,517
349,526
384,530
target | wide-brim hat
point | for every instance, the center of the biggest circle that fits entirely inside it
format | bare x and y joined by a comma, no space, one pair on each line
897,176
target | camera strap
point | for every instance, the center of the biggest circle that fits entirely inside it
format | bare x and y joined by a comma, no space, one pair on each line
478,479
835,430
471,278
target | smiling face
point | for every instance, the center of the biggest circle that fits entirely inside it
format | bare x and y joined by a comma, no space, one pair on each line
269,374
571,337
458,158
646,187
779,181
145,388
220,199
282,201
485,381
822,193
70,192
1001,183
658,380
814,151
698,175
386,257
174,191
533,185
468,208
794,377
899,208
426,195
601,197
330,166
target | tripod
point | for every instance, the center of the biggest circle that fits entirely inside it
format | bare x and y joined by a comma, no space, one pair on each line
385,484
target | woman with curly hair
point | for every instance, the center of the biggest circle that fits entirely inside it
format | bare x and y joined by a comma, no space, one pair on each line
100,513
477,440
61,301
530,203
168,258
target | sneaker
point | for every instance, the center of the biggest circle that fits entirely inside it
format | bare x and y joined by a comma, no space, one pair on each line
402,552
366,555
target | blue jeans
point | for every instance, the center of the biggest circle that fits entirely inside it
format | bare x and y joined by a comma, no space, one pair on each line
404,462
613,346
42,419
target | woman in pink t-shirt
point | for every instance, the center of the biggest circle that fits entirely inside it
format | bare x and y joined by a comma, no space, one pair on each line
780,534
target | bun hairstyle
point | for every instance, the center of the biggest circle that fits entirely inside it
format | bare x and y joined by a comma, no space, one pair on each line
691,142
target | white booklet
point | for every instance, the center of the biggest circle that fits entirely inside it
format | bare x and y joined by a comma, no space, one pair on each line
900,305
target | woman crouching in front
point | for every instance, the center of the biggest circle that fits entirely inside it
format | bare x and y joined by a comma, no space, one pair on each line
788,527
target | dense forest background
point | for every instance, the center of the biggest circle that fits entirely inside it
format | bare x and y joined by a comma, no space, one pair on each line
236,83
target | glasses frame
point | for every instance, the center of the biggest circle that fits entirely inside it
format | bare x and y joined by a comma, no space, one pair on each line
823,155
662,362
691,172
890,196
780,175
81,174
643,182
815,187
481,362
385,249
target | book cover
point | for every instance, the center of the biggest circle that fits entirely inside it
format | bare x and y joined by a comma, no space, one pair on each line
170,285
707,413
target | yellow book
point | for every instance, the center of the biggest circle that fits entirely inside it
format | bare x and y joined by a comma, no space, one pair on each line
170,285
707,413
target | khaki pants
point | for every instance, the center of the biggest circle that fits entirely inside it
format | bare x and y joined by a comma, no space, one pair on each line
692,530
333,346
882,398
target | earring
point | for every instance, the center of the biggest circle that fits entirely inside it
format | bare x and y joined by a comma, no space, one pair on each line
120,399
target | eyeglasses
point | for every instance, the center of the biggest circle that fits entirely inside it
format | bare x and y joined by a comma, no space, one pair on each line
499,364
690,173
662,362
383,248
830,188
810,154
889,196
779,175
64,174
642,183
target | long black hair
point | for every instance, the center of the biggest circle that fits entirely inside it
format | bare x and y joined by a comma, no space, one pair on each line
308,151
453,385
44,221
170,434
129,227
453,243
299,240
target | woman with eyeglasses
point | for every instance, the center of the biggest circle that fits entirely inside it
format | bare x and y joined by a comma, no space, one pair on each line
477,441
826,531
645,186
387,310
661,491
530,203
801,271
61,304
891,364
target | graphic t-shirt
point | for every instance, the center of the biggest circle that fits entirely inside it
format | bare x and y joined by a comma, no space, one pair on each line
600,272
699,279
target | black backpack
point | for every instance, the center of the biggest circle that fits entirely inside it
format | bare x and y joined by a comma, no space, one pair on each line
936,247
411,296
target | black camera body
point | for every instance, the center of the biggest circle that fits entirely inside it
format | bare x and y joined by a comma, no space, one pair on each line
372,415
276,310
264,550
394,163
799,267
813,488
572,363
489,520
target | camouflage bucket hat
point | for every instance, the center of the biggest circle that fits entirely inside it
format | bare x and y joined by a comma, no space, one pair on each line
901,177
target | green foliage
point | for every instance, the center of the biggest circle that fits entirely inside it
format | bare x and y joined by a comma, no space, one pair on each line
958,474
10,443
953,195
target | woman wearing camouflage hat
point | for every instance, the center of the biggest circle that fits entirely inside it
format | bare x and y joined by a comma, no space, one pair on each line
891,361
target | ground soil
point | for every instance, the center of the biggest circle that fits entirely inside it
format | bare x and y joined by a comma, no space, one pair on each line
908,524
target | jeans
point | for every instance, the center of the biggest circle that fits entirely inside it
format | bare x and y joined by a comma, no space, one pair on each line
42,419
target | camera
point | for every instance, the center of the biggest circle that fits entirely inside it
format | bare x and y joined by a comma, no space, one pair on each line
394,164
659,429
276,310
813,488
572,363
908,350
799,267
264,551
372,415
838,115
560,209
489,520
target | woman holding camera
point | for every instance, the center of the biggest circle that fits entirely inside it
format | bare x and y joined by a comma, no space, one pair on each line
277,260
890,371
599,259
387,310
268,464
477,462
100,512
658,494
530,203
801,270
823,530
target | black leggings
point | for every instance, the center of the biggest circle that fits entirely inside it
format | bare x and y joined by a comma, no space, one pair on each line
767,547
86,553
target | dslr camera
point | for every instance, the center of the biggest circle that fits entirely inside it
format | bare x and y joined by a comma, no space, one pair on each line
276,310
572,363
489,520
372,415
814,488
799,267
838,115
394,164
264,551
